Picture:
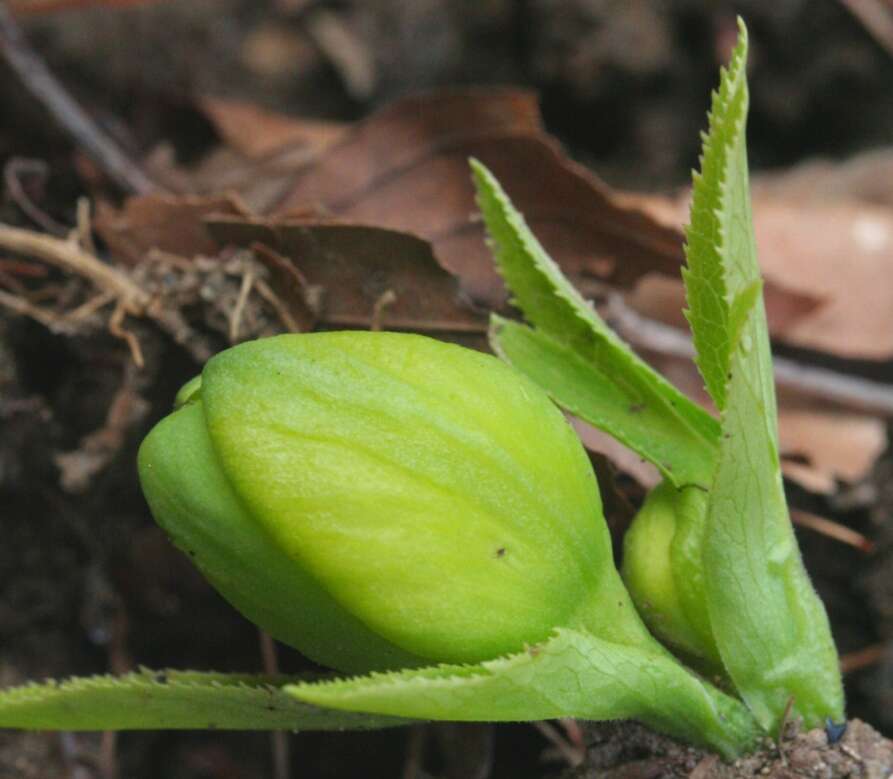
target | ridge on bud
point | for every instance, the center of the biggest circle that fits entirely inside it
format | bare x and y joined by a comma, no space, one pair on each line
382,500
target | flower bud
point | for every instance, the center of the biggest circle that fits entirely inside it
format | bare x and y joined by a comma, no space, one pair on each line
381,500
663,571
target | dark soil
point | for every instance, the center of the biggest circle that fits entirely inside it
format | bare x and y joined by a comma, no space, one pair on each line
88,584
631,752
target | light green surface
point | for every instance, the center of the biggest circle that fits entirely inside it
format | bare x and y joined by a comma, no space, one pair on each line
580,361
172,700
434,492
769,624
660,582
572,674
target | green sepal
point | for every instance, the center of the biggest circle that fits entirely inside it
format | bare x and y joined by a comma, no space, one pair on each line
580,361
172,700
573,674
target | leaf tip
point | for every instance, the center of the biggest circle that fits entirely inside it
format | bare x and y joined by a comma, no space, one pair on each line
481,174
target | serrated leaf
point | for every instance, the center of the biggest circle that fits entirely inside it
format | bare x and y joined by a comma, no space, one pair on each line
583,388
156,700
603,381
769,624
711,275
573,674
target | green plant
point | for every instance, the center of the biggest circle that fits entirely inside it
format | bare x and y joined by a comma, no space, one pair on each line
422,515
725,583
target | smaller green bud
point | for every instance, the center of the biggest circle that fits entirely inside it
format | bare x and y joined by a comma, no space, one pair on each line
663,572
380,500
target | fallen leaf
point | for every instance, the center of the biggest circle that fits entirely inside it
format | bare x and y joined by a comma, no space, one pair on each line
354,266
165,222
865,178
398,184
406,168
842,254
821,447
255,132
397,136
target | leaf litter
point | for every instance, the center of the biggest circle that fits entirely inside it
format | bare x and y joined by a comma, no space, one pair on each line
384,211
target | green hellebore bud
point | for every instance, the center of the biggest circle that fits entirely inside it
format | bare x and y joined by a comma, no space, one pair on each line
663,571
382,500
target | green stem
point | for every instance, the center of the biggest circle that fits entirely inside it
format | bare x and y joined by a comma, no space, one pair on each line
669,697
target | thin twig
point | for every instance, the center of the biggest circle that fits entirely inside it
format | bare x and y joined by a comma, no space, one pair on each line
278,739
85,226
783,727
108,754
15,168
573,732
849,391
387,298
48,319
12,283
66,255
345,50
44,86
90,307
415,752
116,328
235,320
863,658
277,304
573,755
38,7
833,530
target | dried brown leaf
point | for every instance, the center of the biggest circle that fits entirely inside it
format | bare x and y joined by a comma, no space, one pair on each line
353,266
828,266
406,168
843,254
163,222
256,132
394,196
865,178
820,447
